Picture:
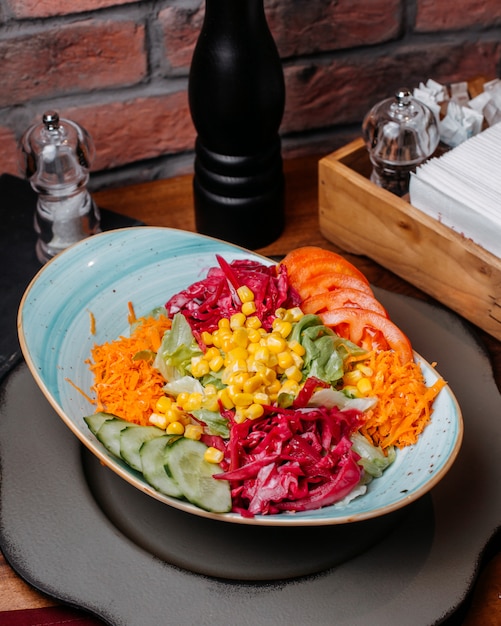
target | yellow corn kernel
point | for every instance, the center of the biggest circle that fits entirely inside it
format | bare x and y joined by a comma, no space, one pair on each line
210,390
223,323
268,376
211,404
297,348
298,361
273,361
239,416
216,363
254,411
182,398
253,322
253,335
364,386
227,343
249,308
199,367
236,360
251,349
207,338
237,320
240,378
185,419
158,420
280,313
365,369
293,373
351,390
173,415
220,335
242,399
285,360
216,339
224,397
194,402
233,389
211,352
261,398
290,386
274,387
193,431
245,294
252,384
293,315
262,354
163,404
282,327
213,455
175,428
285,329
352,378
240,337
276,343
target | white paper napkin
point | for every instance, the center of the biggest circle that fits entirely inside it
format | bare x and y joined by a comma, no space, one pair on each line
462,189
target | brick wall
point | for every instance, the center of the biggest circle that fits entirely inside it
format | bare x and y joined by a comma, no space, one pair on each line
120,68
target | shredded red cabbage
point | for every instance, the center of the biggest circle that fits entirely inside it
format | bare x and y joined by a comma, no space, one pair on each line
291,460
205,302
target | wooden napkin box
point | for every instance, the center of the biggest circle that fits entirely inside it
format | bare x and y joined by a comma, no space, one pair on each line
362,218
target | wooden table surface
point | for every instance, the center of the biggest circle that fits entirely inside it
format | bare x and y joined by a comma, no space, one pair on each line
169,203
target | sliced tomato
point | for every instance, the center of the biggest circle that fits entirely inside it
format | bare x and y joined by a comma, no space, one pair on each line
319,261
369,330
340,298
308,285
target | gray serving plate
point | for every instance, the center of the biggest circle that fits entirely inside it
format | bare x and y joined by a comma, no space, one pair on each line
77,532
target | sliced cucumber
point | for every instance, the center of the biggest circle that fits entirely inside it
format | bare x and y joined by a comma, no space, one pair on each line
109,434
95,421
152,455
184,460
131,440
173,465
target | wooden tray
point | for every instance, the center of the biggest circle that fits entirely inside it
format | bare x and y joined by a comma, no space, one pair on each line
362,218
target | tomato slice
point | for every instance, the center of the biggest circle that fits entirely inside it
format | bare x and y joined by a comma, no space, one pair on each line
318,261
369,330
340,298
308,285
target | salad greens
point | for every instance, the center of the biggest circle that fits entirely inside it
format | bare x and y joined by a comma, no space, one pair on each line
300,449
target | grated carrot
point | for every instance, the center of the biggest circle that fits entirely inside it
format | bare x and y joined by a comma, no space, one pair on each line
126,387
92,323
131,318
404,401
77,388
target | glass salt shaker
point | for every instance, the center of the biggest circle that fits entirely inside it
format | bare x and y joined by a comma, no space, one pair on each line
400,133
57,155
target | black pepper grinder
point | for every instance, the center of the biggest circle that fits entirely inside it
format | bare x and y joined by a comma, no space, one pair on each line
237,98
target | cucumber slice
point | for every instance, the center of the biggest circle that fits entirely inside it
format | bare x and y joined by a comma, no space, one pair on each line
131,440
109,434
152,455
95,421
184,460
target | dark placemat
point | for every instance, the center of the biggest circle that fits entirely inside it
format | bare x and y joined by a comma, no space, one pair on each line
18,261
56,535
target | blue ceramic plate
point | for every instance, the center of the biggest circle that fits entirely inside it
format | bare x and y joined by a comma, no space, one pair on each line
100,275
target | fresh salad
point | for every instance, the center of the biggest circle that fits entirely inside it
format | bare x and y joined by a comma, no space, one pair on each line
262,389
